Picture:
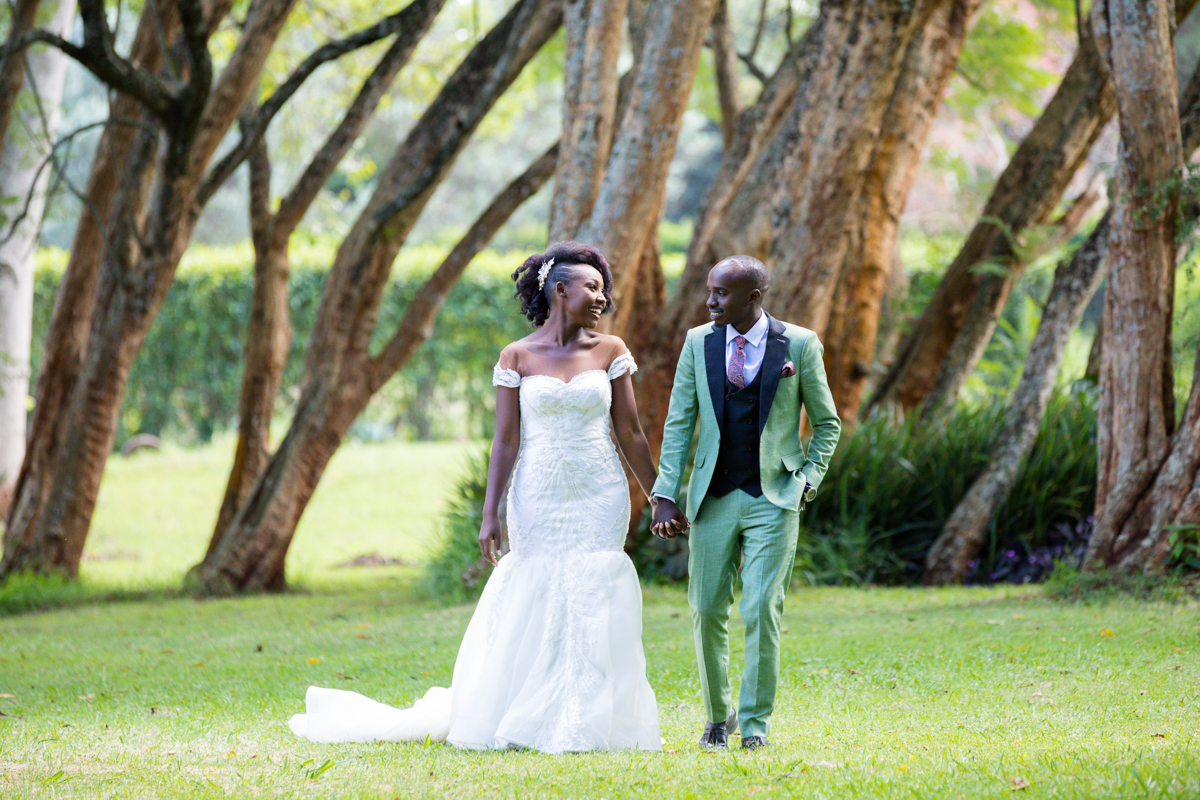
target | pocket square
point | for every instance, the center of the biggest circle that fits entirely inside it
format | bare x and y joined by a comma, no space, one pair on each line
789,369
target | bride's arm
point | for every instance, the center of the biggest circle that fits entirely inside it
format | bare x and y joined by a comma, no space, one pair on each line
628,431
505,446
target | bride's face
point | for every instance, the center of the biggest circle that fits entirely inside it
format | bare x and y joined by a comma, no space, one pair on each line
582,297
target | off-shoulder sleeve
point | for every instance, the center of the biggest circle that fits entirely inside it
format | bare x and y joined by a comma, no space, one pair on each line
620,365
505,377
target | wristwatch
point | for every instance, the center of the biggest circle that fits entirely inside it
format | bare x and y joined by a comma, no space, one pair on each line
809,492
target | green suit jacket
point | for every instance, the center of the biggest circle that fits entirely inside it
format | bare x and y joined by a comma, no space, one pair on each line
699,395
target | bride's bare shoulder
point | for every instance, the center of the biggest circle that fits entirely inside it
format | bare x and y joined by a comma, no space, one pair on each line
610,345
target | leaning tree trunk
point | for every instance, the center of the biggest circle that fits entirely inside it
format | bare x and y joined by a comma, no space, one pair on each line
811,136
965,531
113,173
340,375
268,334
1147,478
990,298
12,64
853,327
24,179
1025,196
629,201
148,232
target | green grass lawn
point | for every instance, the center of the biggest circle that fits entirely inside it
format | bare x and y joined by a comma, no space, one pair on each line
156,510
884,693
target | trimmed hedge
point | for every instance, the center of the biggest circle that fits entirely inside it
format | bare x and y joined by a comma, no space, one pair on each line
184,384
185,381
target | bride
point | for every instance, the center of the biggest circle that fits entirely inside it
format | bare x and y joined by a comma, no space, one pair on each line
552,659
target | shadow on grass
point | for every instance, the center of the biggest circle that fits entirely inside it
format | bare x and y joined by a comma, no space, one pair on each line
1102,586
26,592
29,592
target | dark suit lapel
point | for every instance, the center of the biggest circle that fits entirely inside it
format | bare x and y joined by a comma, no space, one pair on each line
714,365
772,366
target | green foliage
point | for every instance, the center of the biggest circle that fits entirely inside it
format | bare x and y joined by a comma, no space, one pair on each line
185,380
999,62
891,486
1185,547
459,548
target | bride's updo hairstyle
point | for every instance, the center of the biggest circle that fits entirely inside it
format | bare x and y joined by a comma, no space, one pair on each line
535,302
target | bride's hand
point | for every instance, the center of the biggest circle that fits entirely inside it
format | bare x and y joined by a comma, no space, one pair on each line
489,538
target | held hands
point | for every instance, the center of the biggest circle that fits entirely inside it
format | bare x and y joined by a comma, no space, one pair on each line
489,538
669,520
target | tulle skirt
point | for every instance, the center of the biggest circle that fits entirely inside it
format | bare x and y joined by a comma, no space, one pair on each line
552,660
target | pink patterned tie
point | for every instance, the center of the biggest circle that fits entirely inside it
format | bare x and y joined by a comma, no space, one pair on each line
737,363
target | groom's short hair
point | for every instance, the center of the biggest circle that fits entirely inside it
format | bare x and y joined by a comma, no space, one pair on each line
751,269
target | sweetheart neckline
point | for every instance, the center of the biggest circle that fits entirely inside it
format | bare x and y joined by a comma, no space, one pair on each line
560,380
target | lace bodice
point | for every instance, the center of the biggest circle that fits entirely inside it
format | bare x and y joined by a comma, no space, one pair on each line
568,490
552,658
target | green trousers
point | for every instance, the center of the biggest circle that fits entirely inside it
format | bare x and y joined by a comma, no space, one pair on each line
725,529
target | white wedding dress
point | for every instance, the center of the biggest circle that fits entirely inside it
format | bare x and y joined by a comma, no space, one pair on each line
552,658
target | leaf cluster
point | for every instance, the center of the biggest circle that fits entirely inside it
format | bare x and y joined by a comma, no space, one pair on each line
892,485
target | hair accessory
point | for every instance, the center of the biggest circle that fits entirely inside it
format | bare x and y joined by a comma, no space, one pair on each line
543,272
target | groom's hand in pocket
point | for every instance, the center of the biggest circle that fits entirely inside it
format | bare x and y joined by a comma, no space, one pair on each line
668,520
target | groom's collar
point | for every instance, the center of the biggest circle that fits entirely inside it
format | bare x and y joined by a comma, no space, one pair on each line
756,333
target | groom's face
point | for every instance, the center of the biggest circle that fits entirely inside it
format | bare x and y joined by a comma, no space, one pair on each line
732,296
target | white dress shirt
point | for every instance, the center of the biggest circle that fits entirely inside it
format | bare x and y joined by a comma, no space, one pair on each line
755,347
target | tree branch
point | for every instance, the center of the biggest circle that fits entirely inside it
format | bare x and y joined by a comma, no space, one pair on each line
417,324
413,29
755,70
100,58
257,127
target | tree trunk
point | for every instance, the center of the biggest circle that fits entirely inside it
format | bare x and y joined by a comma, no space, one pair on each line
250,554
113,172
593,44
1025,195
965,531
12,65
990,298
850,338
1147,477
815,133
725,62
624,213
340,374
268,335
24,180
148,234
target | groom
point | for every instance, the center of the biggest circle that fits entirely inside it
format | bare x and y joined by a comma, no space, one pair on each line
745,378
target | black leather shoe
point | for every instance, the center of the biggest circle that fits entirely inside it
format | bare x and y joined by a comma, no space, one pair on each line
754,742
716,734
